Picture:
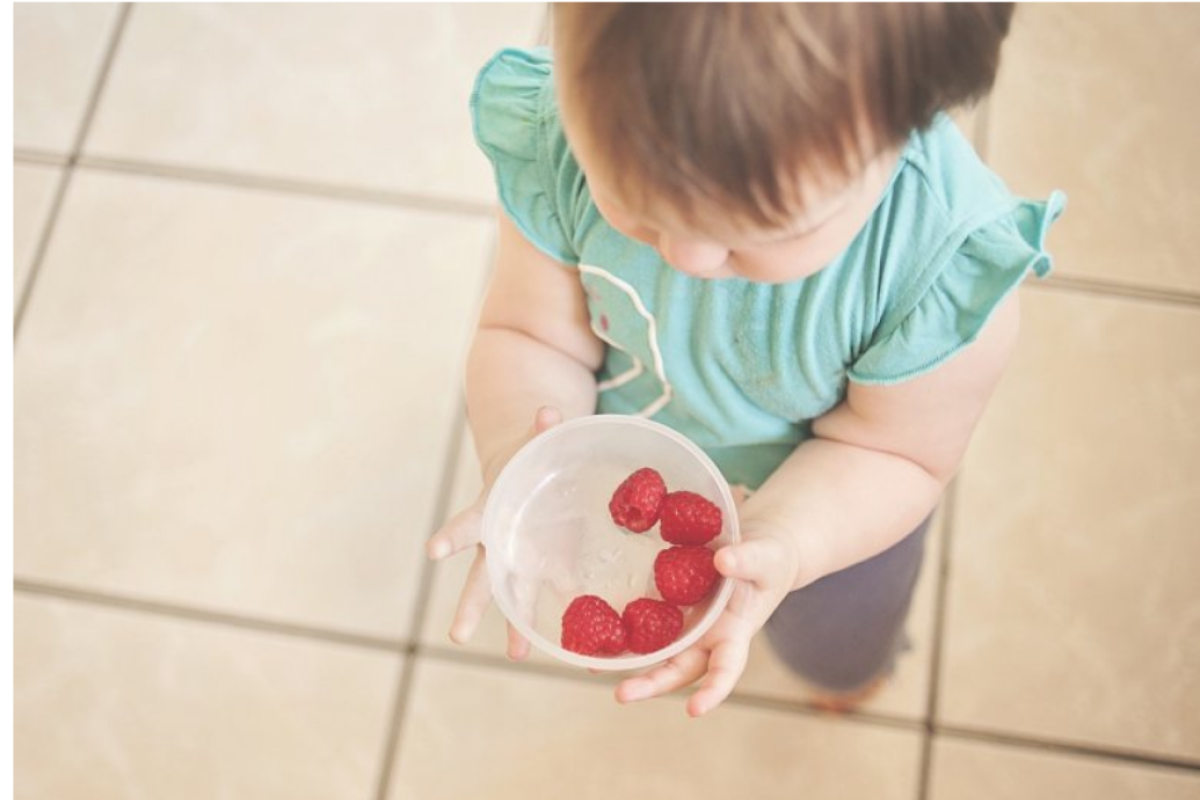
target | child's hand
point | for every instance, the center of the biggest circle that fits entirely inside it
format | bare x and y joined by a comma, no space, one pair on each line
763,565
463,531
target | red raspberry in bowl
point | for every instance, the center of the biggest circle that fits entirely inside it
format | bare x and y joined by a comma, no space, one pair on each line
591,627
636,504
688,518
651,625
685,575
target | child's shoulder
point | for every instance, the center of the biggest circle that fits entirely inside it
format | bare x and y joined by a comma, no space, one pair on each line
947,211
515,121
514,74
512,103
958,242
943,168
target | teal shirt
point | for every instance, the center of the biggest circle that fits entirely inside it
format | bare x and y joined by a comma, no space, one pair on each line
744,368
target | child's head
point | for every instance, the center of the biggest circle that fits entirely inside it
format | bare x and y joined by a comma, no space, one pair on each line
755,139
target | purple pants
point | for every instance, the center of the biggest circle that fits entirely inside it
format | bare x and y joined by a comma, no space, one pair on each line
846,629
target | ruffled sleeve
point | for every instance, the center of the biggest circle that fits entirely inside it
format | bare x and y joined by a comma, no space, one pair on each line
956,304
510,106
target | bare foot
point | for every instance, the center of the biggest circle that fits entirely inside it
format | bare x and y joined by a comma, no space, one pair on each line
845,702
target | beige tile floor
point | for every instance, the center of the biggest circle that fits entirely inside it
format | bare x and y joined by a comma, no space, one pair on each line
249,242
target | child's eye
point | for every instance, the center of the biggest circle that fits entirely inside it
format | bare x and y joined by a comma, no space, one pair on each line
791,237
643,233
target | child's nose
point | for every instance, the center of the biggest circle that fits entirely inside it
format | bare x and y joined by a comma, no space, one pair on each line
694,257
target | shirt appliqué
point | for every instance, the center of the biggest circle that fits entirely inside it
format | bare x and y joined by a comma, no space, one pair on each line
640,323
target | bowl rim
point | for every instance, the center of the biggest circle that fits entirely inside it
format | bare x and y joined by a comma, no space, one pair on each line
615,663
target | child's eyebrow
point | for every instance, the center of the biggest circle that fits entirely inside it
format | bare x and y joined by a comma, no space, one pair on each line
802,226
828,214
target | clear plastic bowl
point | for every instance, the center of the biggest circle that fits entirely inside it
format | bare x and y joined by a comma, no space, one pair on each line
549,537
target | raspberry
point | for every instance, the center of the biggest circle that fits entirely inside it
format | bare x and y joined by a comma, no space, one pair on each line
651,625
687,518
685,575
591,627
636,503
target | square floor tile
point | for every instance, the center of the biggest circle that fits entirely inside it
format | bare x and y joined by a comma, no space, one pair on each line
1074,609
118,704
521,736
373,95
241,400
1099,100
965,770
34,186
58,49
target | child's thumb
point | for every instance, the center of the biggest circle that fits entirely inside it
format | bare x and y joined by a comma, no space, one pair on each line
746,561
545,419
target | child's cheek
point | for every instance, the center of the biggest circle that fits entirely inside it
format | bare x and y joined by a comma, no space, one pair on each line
626,226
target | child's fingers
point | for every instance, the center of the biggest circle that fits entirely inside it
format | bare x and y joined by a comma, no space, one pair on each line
464,528
524,602
524,596
725,666
461,532
473,602
680,671
518,645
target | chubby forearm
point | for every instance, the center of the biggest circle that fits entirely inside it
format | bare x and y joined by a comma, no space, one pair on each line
836,504
510,375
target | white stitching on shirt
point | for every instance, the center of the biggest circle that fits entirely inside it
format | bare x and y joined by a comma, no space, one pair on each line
629,375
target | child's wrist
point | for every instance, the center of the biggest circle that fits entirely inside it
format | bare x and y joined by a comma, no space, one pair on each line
493,457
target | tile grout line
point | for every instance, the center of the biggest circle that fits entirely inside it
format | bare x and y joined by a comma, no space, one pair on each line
949,508
275,183
89,114
446,654
404,682
799,707
441,511
441,653
39,253
1112,289
249,624
1053,283
64,181
1076,749
172,611
981,139
419,202
43,157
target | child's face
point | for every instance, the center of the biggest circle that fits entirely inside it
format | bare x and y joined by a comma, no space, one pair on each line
833,215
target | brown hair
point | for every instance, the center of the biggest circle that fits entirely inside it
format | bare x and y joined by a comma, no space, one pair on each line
711,107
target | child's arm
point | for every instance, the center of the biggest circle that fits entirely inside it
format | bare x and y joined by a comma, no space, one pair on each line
532,349
882,458
875,470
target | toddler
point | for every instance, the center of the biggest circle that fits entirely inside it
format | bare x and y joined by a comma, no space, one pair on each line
755,224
